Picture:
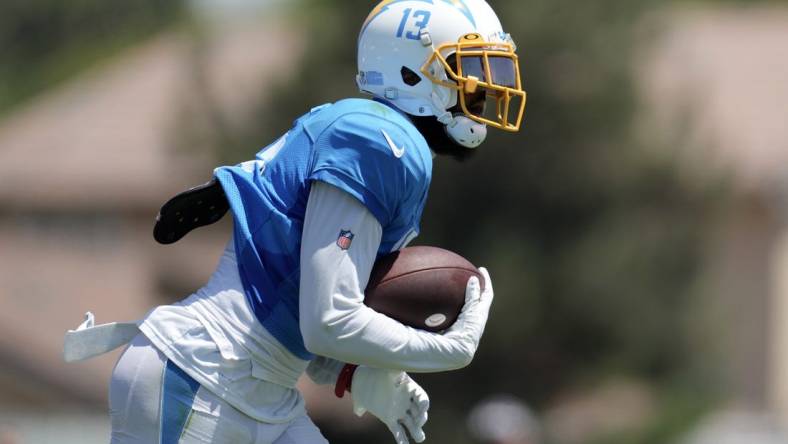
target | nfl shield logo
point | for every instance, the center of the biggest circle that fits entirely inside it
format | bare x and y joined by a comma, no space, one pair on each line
345,239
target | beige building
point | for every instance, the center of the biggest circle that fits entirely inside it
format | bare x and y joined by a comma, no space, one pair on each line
716,84
84,169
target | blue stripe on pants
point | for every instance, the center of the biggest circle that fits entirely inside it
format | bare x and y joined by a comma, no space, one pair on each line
177,397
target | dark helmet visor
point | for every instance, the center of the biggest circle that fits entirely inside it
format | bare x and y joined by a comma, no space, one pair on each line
502,70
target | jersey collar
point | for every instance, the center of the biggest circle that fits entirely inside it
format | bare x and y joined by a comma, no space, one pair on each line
391,105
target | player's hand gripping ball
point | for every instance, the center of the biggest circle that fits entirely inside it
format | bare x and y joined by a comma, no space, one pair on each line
422,287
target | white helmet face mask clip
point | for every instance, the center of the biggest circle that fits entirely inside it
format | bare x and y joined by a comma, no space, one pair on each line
419,38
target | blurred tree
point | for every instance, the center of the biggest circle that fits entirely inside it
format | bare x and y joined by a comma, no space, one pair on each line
44,41
592,239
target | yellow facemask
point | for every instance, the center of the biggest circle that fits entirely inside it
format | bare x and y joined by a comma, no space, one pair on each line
483,70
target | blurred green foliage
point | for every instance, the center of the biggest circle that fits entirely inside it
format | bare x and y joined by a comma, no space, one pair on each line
680,408
43,42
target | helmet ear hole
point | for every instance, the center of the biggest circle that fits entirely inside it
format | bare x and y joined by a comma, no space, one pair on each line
410,77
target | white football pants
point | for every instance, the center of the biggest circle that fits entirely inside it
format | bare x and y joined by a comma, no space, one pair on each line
152,401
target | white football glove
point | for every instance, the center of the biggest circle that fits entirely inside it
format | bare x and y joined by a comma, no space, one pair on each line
470,324
394,398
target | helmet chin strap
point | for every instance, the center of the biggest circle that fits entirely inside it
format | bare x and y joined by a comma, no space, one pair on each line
466,132
461,130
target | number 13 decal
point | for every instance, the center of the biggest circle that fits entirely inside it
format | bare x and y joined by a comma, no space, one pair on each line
421,19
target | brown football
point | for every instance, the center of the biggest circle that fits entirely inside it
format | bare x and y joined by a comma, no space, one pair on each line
423,287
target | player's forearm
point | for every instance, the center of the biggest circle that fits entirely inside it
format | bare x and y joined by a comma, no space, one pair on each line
333,319
366,337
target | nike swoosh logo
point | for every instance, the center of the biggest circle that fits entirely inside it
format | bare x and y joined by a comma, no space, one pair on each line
398,152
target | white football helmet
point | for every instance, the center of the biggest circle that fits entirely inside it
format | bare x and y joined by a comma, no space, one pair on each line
426,57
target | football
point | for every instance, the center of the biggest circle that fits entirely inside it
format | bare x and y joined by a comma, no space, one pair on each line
422,287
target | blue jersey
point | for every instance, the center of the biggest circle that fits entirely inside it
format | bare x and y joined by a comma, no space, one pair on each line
363,147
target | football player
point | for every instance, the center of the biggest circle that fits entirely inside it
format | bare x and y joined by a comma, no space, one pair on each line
312,212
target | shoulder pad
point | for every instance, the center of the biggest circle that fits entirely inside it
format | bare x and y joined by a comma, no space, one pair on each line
376,123
197,207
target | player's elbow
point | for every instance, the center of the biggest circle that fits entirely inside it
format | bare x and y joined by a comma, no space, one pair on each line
314,339
320,337
314,345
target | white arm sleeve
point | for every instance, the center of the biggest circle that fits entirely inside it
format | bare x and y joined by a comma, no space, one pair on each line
333,318
324,371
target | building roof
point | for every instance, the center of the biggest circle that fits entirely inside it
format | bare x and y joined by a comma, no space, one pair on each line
715,80
105,140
